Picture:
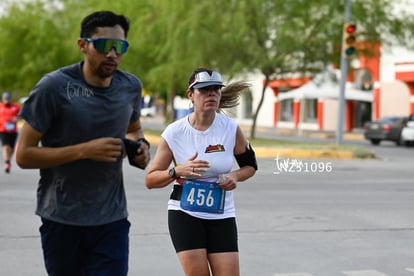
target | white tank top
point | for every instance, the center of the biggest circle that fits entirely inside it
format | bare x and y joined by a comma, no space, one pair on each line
215,145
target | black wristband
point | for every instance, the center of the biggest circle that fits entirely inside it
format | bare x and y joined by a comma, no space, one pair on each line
145,141
131,148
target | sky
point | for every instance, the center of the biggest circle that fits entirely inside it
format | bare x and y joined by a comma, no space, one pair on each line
5,3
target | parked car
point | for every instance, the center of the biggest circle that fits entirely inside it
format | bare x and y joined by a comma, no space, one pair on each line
385,129
407,133
147,106
148,111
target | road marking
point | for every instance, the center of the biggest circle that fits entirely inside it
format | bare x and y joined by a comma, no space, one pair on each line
363,273
293,274
349,273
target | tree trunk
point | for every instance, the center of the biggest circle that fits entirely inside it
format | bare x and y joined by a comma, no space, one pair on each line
171,114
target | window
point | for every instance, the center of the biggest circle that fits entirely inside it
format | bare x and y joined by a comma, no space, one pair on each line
286,110
310,110
363,79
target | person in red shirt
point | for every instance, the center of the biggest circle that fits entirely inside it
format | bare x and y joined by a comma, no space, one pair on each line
9,112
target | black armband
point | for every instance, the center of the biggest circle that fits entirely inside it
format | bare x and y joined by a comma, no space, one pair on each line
145,141
248,158
131,148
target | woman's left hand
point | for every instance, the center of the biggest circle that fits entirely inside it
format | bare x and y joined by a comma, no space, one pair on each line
227,182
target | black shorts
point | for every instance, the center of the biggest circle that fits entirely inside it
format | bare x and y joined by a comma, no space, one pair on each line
188,232
8,138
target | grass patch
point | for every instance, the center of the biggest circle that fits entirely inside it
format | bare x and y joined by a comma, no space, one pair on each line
357,151
152,131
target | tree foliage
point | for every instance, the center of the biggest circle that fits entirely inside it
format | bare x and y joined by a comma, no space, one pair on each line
33,43
169,39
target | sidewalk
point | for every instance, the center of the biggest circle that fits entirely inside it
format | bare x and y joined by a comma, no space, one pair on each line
317,137
311,134
157,123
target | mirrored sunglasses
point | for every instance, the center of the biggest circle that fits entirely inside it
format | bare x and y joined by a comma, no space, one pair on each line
105,45
206,77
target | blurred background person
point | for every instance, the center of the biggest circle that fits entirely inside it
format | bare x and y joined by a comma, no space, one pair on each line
9,112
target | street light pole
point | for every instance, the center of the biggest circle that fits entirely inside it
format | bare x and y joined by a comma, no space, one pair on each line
344,73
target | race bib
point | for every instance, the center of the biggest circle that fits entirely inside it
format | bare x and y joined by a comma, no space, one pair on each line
201,196
10,126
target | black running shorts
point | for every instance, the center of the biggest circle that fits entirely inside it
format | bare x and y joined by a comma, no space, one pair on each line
188,232
8,138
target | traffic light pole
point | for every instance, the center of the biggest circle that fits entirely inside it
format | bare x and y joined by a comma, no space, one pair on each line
344,73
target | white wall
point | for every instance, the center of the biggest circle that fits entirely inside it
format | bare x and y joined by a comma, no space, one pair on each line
388,59
265,117
330,114
394,99
397,94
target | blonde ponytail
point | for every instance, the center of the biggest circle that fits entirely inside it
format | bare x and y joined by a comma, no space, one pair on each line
230,94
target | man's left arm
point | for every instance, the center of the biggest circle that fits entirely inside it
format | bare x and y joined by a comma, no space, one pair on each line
140,156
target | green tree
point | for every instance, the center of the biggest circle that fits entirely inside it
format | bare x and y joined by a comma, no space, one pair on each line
170,38
30,36
175,43
284,37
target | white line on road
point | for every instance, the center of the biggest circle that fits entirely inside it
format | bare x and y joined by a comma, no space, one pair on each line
292,274
363,273
349,273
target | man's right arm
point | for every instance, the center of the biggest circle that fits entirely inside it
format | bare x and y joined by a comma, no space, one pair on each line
30,155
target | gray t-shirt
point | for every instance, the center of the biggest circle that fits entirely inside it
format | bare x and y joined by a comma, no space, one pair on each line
68,111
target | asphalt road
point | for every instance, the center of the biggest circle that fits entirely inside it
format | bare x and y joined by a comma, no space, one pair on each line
352,217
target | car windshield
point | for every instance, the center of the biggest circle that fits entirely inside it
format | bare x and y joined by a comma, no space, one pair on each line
389,120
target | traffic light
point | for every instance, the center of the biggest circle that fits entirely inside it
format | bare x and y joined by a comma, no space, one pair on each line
349,40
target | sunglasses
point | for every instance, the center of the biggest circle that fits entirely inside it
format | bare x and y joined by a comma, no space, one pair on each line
215,88
209,79
105,45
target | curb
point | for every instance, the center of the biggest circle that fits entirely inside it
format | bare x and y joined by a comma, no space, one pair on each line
273,152
305,133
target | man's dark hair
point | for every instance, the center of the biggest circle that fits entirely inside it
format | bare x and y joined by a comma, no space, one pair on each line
102,19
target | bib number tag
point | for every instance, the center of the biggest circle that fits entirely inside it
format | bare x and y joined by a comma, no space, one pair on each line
9,126
201,196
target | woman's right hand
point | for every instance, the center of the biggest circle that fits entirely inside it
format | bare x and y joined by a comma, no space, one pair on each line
192,168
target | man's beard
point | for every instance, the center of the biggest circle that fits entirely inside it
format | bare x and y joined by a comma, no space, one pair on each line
103,72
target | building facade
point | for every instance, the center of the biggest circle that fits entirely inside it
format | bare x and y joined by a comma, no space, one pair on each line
313,104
